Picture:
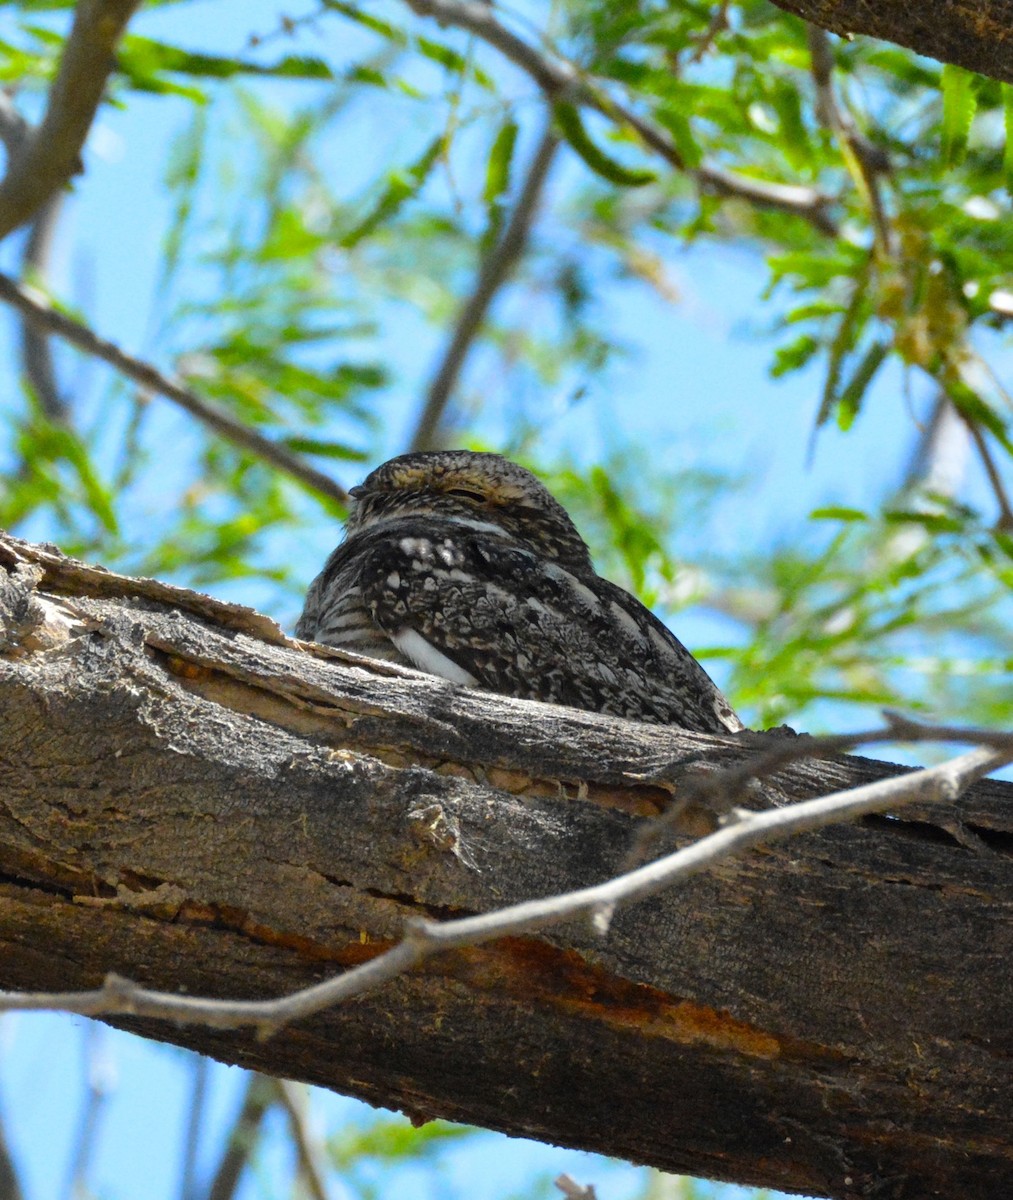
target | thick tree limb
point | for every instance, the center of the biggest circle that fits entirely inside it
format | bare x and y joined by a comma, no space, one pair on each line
51,154
976,34
216,813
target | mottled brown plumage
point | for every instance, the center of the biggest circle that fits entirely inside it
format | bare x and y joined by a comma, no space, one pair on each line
465,566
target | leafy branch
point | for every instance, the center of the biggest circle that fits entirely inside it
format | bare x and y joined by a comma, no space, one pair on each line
36,309
561,81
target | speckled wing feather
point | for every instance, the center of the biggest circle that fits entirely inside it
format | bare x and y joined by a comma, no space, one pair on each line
471,605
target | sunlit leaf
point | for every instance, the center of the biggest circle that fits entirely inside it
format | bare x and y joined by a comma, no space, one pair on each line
959,105
571,125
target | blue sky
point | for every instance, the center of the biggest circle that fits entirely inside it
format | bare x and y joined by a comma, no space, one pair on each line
682,392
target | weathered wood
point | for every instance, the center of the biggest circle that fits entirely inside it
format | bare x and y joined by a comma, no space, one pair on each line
976,34
189,801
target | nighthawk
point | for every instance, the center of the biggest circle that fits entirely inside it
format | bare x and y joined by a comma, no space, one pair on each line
464,565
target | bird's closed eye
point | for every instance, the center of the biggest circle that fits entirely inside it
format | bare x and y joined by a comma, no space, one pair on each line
466,494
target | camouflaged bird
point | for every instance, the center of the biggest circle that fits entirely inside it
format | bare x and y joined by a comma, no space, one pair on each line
464,565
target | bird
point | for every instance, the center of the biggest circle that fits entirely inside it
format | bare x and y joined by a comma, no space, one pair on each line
462,564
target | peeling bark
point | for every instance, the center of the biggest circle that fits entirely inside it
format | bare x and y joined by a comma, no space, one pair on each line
976,34
190,799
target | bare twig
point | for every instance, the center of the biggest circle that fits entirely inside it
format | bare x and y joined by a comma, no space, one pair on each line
36,349
493,273
716,25
293,1098
865,160
35,307
939,461
780,751
241,1141
98,1076
51,154
36,354
1005,522
10,1181
573,1190
423,938
560,80
720,791
189,1188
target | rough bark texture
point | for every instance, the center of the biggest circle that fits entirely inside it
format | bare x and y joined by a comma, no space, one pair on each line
976,34
188,801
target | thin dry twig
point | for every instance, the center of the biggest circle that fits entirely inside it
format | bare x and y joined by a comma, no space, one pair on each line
241,1141
36,352
1005,522
50,155
189,1188
573,1190
560,80
10,1181
36,348
36,308
312,1171
720,791
493,273
98,1081
780,751
423,938
715,26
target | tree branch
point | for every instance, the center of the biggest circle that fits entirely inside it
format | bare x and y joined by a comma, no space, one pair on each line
258,1098
10,1181
36,309
36,354
976,34
51,154
311,1167
559,79
493,273
196,1110
1005,521
118,996
224,815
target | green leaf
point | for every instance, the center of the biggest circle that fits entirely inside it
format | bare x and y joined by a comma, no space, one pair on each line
677,124
497,170
392,1140
497,181
838,513
305,445
452,60
401,187
849,330
571,126
850,399
143,58
960,100
378,26
972,406
795,355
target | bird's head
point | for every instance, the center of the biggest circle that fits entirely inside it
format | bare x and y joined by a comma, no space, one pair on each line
475,490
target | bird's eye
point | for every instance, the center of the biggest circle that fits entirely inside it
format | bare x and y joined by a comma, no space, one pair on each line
466,494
